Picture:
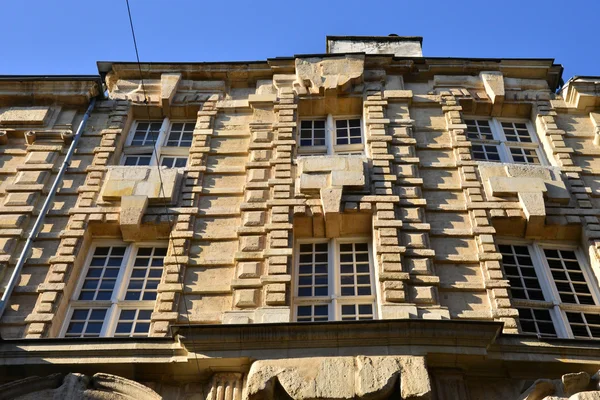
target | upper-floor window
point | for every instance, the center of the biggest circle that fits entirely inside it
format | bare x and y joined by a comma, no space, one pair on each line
117,291
331,135
553,289
166,141
333,281
504,141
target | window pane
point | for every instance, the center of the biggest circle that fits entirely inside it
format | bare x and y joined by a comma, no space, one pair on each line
516,132
180,134
133,323
478,129
568,277
312,270
86,322
145,275
352,312
312,313
312,133
146,133
524,156
584,325
100,280
536,321
518,269
355,278
347,131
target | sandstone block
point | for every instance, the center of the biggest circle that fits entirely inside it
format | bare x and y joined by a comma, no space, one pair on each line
25,116
246,298
248,270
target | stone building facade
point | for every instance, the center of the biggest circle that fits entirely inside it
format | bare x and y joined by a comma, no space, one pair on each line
367,223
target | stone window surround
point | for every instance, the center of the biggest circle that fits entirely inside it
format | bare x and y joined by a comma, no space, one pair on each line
334,298
501,143
155,152
330,147
556,307
117,302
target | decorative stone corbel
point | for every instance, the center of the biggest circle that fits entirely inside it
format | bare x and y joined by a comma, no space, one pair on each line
30,137
531,184
67,136
493,83
168,87
331,201
316,75
132,211
328,175
136,188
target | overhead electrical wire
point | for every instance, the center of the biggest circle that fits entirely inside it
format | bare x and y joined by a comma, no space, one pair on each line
155,154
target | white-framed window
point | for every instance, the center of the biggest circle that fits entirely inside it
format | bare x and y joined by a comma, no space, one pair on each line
334,280
502,140
172,139
173,161
553,289
116,293
331,135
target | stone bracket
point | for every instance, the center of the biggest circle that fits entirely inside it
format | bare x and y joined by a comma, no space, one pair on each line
493,83
132,211
168,87
316,75
329,175
531,184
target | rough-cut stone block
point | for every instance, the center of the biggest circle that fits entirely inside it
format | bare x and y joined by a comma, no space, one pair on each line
254,218
246,298
25,116
248,269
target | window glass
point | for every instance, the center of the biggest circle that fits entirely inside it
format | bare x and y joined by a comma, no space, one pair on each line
502,141
345,295
146,133
549,288
118,292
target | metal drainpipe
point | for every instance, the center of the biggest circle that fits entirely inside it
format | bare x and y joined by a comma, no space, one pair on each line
38,222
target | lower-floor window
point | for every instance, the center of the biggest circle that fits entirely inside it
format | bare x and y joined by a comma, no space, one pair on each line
553,289
117,291
334,281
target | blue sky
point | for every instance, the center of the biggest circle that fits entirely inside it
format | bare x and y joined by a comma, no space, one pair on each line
69,36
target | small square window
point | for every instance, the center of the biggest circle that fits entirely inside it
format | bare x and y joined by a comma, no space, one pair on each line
312,313
146,133
137,160
133,323
312,133
502,141
538,322
86,322
180,134
348,131
173,162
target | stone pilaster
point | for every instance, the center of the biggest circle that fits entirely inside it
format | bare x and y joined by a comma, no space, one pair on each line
225,386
